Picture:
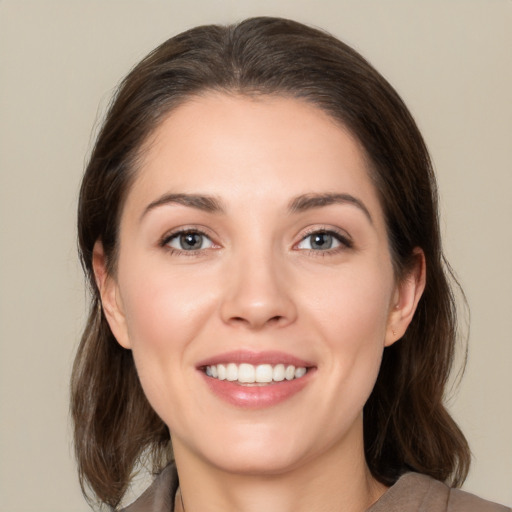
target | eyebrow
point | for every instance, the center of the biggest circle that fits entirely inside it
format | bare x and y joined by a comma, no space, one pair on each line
310,201
302,203
205,203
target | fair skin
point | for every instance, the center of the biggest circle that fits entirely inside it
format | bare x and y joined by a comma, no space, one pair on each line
227,255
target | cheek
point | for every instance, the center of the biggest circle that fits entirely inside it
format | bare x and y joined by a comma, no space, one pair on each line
354,304
163,306
353,319
164,314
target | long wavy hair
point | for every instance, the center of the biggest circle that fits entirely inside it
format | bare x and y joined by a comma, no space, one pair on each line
406,425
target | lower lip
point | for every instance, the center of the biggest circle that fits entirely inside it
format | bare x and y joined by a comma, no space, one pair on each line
256,397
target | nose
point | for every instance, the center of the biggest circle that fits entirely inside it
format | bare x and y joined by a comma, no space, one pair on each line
258,294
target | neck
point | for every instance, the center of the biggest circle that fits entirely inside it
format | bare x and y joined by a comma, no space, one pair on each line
339,480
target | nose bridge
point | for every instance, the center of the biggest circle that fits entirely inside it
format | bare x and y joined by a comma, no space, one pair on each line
257,292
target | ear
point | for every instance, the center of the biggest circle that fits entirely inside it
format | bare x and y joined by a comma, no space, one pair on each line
110,296
406,297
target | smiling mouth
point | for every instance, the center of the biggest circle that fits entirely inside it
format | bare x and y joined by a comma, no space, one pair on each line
255,375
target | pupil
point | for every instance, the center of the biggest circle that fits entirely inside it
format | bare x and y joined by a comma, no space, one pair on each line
191,241
321,241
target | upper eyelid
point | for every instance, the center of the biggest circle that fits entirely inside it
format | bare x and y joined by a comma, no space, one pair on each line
165,242
341,233
344,240
173,233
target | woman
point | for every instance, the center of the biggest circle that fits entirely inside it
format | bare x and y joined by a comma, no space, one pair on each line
258,222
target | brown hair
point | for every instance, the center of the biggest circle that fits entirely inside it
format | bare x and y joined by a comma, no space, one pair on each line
406,426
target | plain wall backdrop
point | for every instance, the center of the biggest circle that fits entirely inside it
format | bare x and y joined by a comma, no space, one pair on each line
59,62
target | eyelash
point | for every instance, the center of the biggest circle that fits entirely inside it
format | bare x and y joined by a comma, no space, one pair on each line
343,239
168,237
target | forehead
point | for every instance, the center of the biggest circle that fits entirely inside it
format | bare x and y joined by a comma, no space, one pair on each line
251,150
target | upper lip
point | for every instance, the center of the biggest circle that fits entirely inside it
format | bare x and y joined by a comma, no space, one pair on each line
255,358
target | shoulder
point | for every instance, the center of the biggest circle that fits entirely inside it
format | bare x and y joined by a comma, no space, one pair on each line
159,496
464,501
414,492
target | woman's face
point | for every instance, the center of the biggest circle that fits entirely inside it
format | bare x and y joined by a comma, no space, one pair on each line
253,247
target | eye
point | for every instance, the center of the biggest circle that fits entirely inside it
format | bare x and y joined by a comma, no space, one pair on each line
323,241
188,241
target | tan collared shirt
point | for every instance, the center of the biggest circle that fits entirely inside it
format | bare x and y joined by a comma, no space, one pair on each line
411,493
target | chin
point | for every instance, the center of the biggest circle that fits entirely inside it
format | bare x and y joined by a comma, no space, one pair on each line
261,450
260,464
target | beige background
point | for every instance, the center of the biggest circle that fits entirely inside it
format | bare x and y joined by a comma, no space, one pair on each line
451,61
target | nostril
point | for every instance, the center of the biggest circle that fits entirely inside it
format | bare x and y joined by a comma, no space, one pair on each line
240,320
269,321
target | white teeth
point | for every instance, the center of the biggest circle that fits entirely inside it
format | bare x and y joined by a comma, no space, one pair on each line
289,373
300,372
246,373
278,372
221,372
250,374
232,372
264,373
